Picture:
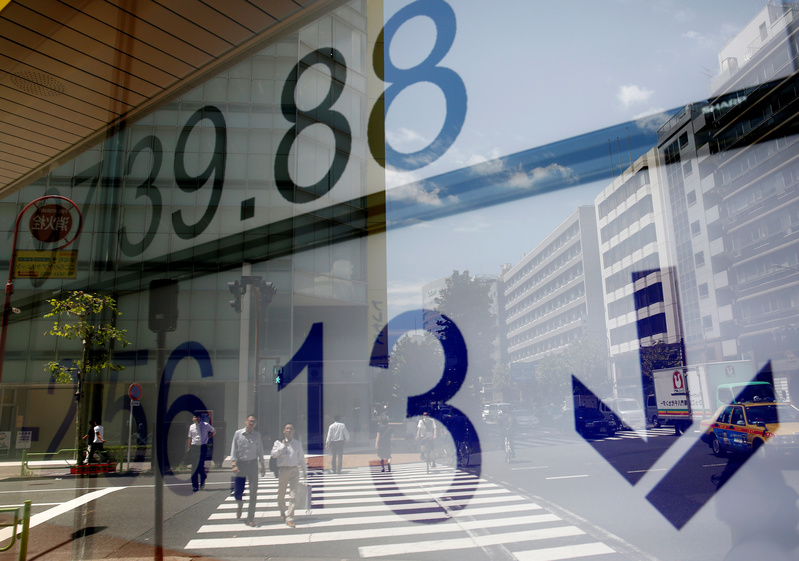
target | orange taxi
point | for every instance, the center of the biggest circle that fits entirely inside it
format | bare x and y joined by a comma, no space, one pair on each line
746,427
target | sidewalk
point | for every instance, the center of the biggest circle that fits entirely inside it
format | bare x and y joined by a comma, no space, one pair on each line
358,457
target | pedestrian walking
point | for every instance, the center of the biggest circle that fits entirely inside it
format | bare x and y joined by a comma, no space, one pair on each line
290,460
246,452
197,449
426,433
383,445
96,441
337,435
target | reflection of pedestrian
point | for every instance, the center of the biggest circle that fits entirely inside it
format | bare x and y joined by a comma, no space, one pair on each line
426,432
96,441
89,438
141,436
246,452
383,445
337,435
197,447
290,459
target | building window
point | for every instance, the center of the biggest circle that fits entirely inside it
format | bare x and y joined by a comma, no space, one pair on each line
687,168
684,140
695,228
691,197
707,323
703,291
699,259
763,32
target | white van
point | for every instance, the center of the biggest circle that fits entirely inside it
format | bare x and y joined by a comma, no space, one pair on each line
496,409
630,414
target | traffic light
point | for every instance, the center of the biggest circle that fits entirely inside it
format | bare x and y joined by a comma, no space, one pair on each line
277,374
237,289
268,290
163,312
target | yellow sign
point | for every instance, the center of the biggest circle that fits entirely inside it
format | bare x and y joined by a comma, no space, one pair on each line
31,264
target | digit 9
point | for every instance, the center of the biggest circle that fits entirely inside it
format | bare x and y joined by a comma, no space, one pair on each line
215,167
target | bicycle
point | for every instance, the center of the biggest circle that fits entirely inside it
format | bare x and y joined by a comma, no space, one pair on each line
428,452
463,452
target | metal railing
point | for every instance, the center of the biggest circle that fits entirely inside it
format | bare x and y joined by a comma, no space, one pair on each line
26,469
22,535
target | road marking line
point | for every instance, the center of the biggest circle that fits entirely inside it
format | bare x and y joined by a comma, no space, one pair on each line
567,476
393,549
476,511
63,508
530,467
468,543
564,552
646,470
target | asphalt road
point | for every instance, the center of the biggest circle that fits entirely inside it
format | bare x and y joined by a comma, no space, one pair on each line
668,498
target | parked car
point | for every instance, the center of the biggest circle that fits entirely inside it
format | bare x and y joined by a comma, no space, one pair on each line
496,409
630,415
524,418
589,421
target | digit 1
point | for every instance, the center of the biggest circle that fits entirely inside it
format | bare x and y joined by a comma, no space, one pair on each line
310,355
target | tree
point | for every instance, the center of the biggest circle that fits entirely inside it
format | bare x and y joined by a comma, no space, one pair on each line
466,301
84,309
657,356
416,365
585,359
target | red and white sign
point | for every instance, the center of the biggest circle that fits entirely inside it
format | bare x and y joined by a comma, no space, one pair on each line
50,223
679,382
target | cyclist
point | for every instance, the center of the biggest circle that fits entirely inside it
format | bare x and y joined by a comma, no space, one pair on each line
507,426
426,432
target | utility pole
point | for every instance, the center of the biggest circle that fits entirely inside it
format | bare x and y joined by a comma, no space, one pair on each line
264,291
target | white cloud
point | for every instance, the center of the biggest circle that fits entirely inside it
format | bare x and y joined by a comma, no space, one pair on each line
404,295
403,139
651,120
416,192
525,180
631,94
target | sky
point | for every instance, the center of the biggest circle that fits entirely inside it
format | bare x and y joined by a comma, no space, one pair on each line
535,74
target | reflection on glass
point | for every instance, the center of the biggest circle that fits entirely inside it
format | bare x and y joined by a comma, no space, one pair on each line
572,247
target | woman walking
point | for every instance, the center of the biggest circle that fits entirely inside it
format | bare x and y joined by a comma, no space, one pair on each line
383,445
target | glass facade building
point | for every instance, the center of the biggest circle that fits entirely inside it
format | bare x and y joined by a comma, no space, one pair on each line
496,216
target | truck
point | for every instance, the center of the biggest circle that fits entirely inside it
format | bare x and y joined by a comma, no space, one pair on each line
708,386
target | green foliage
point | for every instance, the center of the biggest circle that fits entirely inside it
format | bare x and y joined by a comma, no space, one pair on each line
657,356
585,359
82,309
466,301
416,364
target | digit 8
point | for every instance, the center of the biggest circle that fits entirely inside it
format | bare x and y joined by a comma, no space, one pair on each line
322,113
446,79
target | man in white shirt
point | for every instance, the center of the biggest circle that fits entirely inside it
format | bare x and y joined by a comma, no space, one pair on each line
290,459
337,435
426,432
246,452
197,448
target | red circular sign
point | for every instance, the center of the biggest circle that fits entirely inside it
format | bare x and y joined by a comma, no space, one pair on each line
134,392
51,223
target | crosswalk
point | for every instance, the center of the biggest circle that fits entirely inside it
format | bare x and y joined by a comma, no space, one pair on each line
534,440
403,514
